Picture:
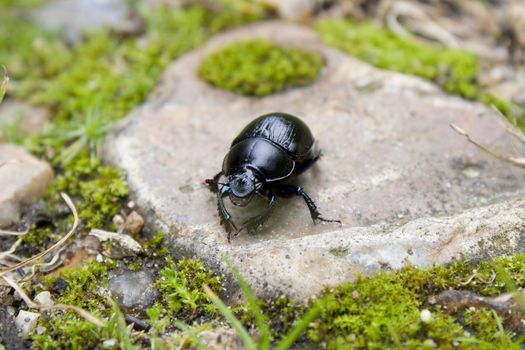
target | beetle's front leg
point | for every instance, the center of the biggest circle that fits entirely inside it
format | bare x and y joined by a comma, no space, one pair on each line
226,218
252,223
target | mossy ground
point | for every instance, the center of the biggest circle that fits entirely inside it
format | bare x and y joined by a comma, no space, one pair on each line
91,85
259,67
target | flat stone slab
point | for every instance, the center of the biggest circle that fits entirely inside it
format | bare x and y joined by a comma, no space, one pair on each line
23,179
76,17
406,187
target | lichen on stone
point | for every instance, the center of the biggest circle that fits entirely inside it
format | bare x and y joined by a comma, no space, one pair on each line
259,67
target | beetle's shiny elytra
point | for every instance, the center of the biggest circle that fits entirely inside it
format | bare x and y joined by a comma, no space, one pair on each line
269,150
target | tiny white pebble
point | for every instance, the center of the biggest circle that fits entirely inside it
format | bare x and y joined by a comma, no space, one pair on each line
425,316
109,343
430,343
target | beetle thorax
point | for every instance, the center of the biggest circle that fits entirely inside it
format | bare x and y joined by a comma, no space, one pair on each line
243,185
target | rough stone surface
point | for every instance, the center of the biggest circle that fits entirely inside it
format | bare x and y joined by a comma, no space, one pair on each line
134,290
29,119
406,187
23,178
75,17
121,246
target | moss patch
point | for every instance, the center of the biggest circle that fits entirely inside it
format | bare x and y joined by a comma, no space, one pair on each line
259,68
181,288
456,71
82,287
100,190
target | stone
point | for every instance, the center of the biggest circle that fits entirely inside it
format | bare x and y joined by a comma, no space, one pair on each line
26,118
134,290
23,179
44,298
407,188
122,245
221,339
91,244
134,223
26,322
118,220
74,17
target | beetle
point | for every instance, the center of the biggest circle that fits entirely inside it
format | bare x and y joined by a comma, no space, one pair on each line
270,150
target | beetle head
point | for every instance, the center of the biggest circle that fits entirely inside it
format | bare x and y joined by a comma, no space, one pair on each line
243,186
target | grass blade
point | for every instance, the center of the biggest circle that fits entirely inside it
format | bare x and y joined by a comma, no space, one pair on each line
230,317
191,333
3,85
299,328
260,319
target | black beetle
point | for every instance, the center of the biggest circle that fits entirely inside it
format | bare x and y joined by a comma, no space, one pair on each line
271,149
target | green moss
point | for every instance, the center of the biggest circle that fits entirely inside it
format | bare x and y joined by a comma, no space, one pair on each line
67,330
377,313
38,237
99,190
456,71
259,67
181,288
155,247
84,282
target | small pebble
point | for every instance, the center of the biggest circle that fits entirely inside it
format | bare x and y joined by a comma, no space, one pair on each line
26,321
110,343
44,298
425,316
134,223
118,220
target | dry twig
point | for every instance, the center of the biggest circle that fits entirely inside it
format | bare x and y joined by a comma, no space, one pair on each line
3,273
54,246
31,304
509,128
13,233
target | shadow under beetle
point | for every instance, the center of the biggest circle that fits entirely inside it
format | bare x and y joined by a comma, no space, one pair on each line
271,149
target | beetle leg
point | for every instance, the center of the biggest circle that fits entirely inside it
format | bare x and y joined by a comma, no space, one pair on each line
226,218
314,212
252,223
